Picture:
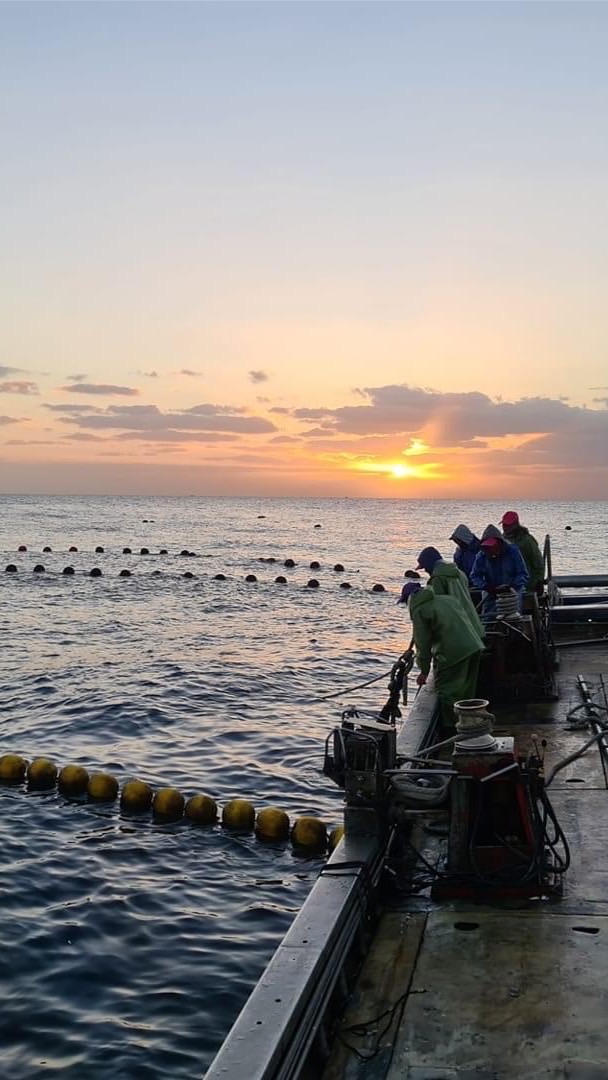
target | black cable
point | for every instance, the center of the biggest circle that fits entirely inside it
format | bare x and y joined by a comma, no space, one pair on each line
418,854
361,1029
536,866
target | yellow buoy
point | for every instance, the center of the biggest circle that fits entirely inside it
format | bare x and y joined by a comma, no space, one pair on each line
41,773
202,809
168,803
103,786
310,833
136,795
73,780
335,836
238,814
272,824
12,768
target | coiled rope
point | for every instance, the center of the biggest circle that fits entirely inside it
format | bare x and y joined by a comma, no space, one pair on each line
507,605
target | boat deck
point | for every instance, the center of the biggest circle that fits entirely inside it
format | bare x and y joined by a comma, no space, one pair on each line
456,990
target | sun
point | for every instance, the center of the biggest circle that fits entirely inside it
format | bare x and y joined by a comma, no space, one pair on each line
399,471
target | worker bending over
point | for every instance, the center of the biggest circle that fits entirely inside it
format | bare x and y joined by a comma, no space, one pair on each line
445,579
444,636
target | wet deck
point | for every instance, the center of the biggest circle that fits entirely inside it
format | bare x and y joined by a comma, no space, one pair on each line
519,989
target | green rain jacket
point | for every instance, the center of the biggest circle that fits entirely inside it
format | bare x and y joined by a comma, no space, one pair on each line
530,553
448,580
441,630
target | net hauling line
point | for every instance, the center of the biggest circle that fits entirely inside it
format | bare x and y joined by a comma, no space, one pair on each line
405,661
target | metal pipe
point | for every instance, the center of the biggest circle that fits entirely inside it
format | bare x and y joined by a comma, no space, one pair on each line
581,581
588,613
547,564
585,641
570,599
501,772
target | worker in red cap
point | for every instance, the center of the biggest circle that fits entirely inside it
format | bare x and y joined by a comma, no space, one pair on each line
517,534
496,565
445,638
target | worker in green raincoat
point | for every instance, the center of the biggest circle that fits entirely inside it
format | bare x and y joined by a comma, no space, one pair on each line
517,534
444,636
445,579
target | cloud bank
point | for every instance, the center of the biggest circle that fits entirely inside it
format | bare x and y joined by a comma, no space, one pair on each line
19,386
104,389
395,439
150,419
4,371
539,432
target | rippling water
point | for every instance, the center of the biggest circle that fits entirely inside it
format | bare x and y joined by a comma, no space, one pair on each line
127,948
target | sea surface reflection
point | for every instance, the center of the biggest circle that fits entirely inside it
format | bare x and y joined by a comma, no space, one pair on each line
126,947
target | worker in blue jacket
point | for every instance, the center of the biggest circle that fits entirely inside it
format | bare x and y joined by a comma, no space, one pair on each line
497,564
467,547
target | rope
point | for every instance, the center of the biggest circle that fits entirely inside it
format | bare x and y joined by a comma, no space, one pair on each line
474,724
578,753
351,689
507,605
397,686
405,663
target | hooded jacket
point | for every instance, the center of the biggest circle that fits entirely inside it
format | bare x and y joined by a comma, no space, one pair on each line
441,630
491,532
447,580
464,557
508,568
530,552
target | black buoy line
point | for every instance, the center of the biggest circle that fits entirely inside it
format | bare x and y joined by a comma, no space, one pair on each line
97,572
288,563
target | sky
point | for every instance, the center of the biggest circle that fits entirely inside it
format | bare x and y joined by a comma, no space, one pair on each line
308,249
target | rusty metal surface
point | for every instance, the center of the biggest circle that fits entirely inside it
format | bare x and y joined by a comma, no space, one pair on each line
515,994
385,977
517,989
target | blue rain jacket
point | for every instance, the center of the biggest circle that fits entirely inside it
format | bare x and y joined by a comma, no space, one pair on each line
465,559
508,569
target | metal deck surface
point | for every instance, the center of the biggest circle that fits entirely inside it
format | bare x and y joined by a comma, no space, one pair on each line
501,990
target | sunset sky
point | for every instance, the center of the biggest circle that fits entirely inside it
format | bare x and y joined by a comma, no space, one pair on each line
304,248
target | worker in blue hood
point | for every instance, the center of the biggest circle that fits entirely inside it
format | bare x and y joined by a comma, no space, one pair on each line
444,637
498,564
411,577
445,579
467,546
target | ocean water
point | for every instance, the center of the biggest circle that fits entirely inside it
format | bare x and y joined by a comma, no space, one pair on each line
127,947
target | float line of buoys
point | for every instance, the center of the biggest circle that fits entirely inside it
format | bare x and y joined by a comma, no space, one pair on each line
312,583
99,550
269,824
185,552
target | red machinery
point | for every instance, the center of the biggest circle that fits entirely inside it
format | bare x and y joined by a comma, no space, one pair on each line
498,837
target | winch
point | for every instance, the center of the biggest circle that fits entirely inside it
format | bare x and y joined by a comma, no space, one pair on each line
358,755
502,834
